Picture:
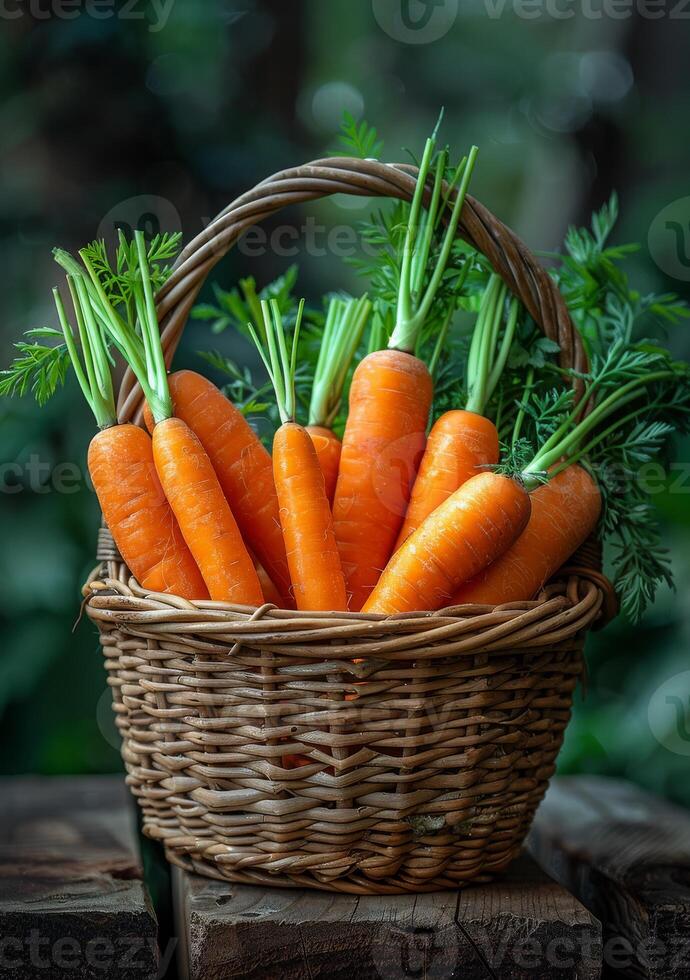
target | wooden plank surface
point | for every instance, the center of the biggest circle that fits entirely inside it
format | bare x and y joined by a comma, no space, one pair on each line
525,926
72,898
626,855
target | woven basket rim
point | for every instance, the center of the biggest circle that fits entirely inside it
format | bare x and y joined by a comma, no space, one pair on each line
566,607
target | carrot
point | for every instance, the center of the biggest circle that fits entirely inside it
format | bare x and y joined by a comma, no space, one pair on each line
461,442
344,325
306,520
242,465
139,517
328,448
208,526
120,457
268,587
471,529
184,468
305,515
390,399
565,511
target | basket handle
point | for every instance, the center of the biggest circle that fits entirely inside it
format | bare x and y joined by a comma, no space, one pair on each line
510,257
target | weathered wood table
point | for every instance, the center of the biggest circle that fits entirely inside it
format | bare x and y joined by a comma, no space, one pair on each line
523,926
626,855
72,898
73,901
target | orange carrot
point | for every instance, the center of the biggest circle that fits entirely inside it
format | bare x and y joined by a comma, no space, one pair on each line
305,515
471,529
306,520
328,448
242,464
139,517
344,325
206,521
565,511
390,398
459,444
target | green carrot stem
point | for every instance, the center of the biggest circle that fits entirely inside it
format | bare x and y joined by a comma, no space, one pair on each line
97,342
155,354
448,240
413,308
404,290
345,323
119,331
428,225
596,441
569,444
502,357
99,397
520,418
139,315
379,331
82,331
72,268
459,170
482,346
143,354
280,363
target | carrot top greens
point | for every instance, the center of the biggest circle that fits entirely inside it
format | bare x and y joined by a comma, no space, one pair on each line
121,296
280,363
414,264
345,321
488,353
639,398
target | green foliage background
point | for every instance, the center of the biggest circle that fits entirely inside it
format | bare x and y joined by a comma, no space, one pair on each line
97,111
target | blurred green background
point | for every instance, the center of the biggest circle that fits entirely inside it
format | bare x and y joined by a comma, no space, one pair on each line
166,116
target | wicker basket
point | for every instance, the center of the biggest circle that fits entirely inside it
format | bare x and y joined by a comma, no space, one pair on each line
430,737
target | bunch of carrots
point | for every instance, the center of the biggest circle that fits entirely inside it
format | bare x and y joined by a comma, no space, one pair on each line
464,469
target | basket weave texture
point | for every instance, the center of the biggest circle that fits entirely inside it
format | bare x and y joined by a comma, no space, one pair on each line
425,741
